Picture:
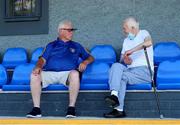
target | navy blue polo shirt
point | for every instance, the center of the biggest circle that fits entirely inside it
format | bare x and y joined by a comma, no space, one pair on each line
63,56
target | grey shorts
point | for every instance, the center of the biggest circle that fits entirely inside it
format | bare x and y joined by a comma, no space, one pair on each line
51,77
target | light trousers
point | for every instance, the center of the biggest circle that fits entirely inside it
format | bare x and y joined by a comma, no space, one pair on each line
120,76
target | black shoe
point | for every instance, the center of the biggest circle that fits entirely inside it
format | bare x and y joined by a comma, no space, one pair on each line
115,114
71,112
35,113
112,100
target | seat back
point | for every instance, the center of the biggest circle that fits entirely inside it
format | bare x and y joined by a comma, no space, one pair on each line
95,77
21,75
104,53
166,51
168,75
35,54
14,57
97,68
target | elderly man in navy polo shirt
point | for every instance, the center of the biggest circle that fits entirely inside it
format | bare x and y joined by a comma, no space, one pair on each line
59,64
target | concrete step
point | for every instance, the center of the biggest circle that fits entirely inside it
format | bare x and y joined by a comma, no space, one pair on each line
138,104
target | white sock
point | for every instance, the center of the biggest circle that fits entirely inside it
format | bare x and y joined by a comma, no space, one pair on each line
113,92
119,109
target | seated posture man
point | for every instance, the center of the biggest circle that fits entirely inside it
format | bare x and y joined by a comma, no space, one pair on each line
136,69
59,64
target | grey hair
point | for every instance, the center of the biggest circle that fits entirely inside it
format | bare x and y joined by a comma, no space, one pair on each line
131,22
64,22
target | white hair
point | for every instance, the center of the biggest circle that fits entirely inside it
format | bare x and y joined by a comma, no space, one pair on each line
63,23
131,22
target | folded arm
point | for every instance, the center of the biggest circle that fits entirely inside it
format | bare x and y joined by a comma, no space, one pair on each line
147,43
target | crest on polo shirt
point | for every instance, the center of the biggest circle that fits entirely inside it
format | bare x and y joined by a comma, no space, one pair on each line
72,50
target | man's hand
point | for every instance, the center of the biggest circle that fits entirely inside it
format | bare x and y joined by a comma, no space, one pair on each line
127,60
36,71
82,66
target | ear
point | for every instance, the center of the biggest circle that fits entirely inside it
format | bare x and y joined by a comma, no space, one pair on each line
59,30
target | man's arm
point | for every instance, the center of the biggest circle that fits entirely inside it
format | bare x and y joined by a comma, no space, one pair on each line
147,43
84,64
40,62
39,65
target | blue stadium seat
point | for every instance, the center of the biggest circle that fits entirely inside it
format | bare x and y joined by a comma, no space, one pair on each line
95,77
3,76
166,51
21,75
21,78
104,53
168,75
14,57
35,54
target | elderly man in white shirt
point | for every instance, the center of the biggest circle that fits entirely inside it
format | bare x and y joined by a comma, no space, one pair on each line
136,69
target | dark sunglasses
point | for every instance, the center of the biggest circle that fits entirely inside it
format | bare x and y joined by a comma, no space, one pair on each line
69,30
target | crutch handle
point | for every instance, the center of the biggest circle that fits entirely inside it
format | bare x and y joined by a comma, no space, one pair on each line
144,47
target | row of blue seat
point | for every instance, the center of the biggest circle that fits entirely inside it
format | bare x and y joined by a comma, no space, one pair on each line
16,56
96,75
104,53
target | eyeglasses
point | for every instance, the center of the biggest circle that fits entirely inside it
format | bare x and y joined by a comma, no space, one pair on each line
69,30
